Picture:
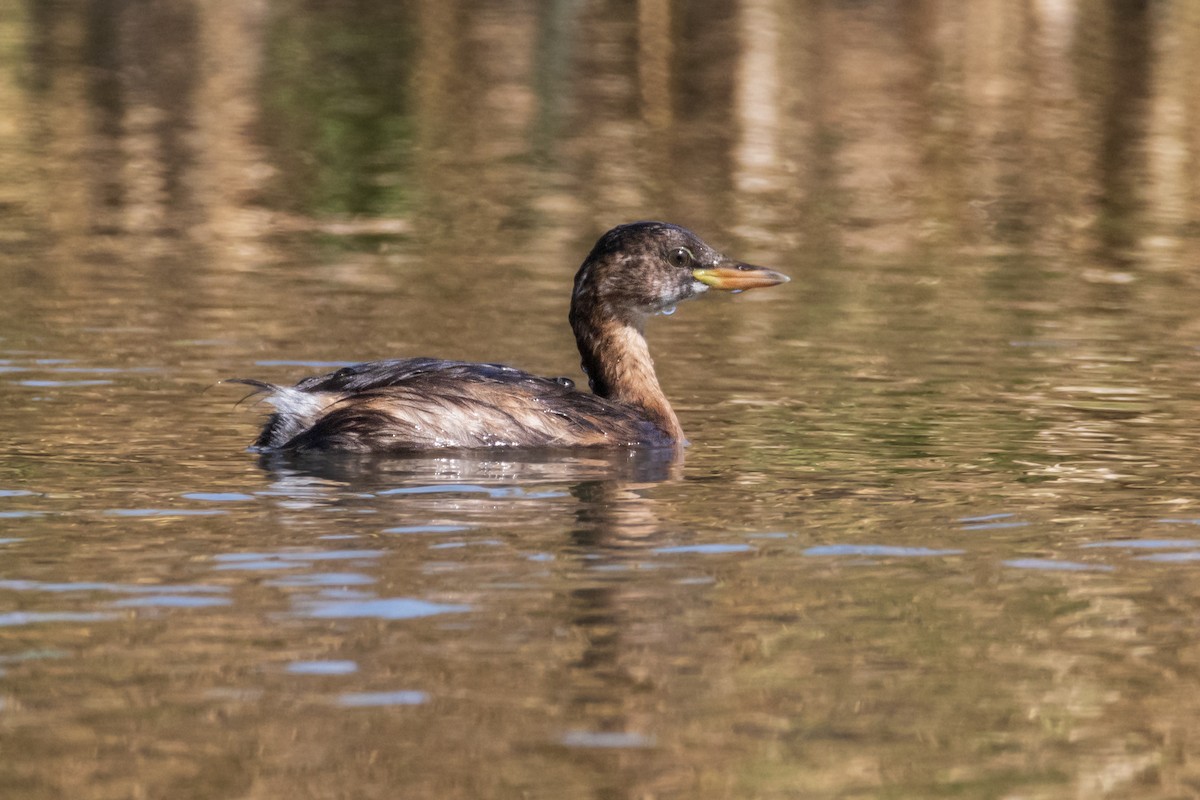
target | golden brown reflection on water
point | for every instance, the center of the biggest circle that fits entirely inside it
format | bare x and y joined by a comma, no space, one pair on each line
936,534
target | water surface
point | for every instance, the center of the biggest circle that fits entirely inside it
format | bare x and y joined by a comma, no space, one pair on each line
938,530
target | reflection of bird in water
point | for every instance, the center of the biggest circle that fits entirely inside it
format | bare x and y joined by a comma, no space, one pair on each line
420,403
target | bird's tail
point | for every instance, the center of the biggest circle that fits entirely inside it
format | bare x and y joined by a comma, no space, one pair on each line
295,410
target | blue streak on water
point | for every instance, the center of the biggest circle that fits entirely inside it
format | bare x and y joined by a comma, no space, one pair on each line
470,488
46,384
170,601
427,529
11,540
876,550
119,588
343,593
165,512
219,497
15,493
709,549
1050,565
322,579
381,608
16,618
320,555
985,517
21,514
1188,555
372,699
1146,544
322,667
1040,343
88,370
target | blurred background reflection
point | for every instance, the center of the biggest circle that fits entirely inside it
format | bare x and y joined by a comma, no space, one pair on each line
936,532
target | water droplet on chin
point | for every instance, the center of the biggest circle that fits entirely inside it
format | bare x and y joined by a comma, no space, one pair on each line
737,291
668,311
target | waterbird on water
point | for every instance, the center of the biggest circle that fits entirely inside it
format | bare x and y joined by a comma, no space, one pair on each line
417,404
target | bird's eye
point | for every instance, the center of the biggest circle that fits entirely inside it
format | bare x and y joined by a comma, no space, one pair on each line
681,257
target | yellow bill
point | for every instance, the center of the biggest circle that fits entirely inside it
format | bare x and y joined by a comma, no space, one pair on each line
737,277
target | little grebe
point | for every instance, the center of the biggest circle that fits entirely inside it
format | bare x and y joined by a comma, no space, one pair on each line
417,404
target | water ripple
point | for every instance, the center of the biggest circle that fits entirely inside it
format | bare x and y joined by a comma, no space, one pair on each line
380,608
164,512
47,384
1146,544
708,549
322,667
319,579
427,529
16,618
219,497
876,550
248,562
1051,565
470,488
120,588
369,699
170,601
606,739
1187,555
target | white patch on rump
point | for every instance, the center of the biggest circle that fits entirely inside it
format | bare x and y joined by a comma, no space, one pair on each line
306,406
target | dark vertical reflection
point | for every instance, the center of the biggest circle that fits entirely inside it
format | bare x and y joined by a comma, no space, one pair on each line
338,108
39,46
819,207
160,42
1121,160
618,615
606,143
700,175
102,52
556,40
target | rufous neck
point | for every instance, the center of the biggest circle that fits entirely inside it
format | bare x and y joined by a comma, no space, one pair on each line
618,364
